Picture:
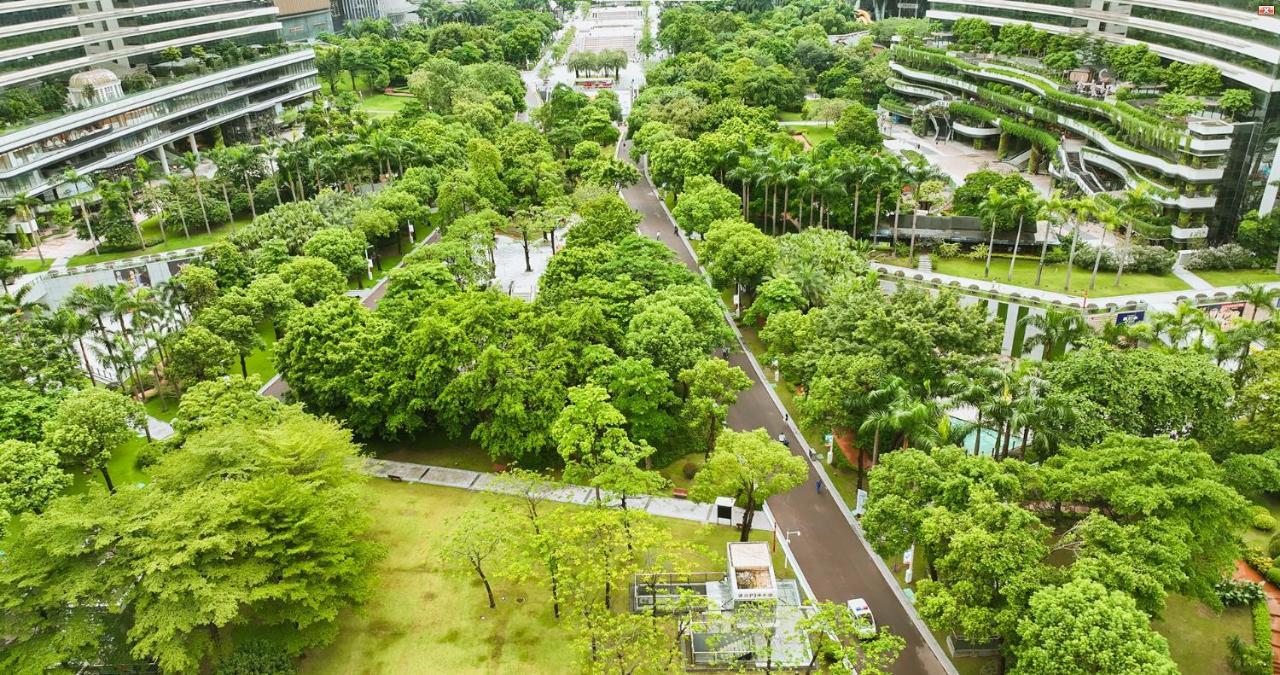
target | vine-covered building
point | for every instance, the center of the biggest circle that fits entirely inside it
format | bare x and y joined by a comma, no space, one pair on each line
1206,168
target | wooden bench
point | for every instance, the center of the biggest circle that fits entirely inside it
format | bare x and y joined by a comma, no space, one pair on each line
679,493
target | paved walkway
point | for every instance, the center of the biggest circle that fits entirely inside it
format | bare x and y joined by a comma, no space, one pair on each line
832,558
1189,278
1245,573
666,507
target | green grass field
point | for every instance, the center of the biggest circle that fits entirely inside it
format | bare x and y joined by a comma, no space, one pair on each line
421,615
382,104
435,449
1223,278
1024,274
151,230
123,468
30,266
815,133
786,116
1198,636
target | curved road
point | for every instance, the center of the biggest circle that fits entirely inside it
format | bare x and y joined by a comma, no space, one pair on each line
832,557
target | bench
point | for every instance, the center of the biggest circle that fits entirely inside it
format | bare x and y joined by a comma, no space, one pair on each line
679,493
395,478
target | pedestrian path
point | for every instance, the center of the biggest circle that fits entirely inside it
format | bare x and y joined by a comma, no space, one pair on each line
159,428
1189,278
1245,573
665,507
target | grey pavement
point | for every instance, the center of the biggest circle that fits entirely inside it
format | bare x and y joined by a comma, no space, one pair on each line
834,560
159,429
665,507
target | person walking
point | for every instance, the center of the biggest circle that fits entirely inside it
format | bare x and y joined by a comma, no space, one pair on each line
819,485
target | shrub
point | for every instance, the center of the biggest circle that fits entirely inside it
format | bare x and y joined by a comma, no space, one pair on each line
1225,257
1249,659
1273,575
979,252
1273,547
1139,258
1262,519
690,470
1239,593
257,657
1255,557
948,249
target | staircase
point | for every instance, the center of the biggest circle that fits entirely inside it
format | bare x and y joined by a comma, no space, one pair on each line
924,264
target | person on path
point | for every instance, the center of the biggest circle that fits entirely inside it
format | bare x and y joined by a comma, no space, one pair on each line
819,485
782,438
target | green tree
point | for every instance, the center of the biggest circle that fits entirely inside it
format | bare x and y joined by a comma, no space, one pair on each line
704,201
342,247
840,639
198,286
313,280
589,434
751,467
473,539
779,294
604,219
226,400
738,254
89,425
249,527
196,354
30,478
1081,627
1236,103
858,126
711,388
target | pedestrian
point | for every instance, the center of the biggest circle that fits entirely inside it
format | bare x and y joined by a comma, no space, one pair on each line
782,438
786,418
819,486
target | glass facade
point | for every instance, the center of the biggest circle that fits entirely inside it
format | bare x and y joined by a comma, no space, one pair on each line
138,74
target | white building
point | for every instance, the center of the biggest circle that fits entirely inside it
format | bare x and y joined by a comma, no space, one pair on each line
139,76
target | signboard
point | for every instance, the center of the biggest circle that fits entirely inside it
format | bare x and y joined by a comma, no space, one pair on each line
1226,314
1131,318
1266,10
861,503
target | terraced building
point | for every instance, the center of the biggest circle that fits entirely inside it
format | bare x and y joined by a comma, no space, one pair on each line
92,85
1205,168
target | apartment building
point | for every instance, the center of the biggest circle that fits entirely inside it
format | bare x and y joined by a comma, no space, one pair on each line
1240,38
114,79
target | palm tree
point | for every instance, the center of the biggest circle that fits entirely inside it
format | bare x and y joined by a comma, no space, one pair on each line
788,174
1258,296
1178,324
72,177
1026,202
1081,208
858,171
882,170
1057,330
880,405
1108,218
1127,335
190,162
917,173
174,181
1138,204
71,327
93,302
743,173
975,391
1055,210
993,206
140,181
271,149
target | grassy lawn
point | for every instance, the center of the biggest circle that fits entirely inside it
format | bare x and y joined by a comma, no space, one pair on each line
1024,274
435,449
785,116
1254,536
1198,636
1224,278
815,133
123,468
31,265
260,363
674,471
421,615
381,104
151,229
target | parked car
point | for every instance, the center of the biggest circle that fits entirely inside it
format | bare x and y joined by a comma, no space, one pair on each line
862,613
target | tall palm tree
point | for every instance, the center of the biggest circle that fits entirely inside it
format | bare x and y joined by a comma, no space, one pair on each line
744,172
1178,324
1258,296
71,326
73,177
270,149
140,182
1138,204
883,170
917,174
1081,209
190,162
1025,202
1056,209
1058,330
993,207
975,391
788,174
175,193
858,171
92,302
880,405
1109,218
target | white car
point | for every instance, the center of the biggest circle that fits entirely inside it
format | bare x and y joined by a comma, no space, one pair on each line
862,614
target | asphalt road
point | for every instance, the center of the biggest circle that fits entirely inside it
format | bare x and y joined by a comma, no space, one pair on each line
834,561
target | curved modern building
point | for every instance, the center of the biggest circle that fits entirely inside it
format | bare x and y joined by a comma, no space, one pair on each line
1240,38
139,76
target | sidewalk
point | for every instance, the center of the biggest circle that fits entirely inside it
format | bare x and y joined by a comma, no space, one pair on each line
665,507
1245,573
